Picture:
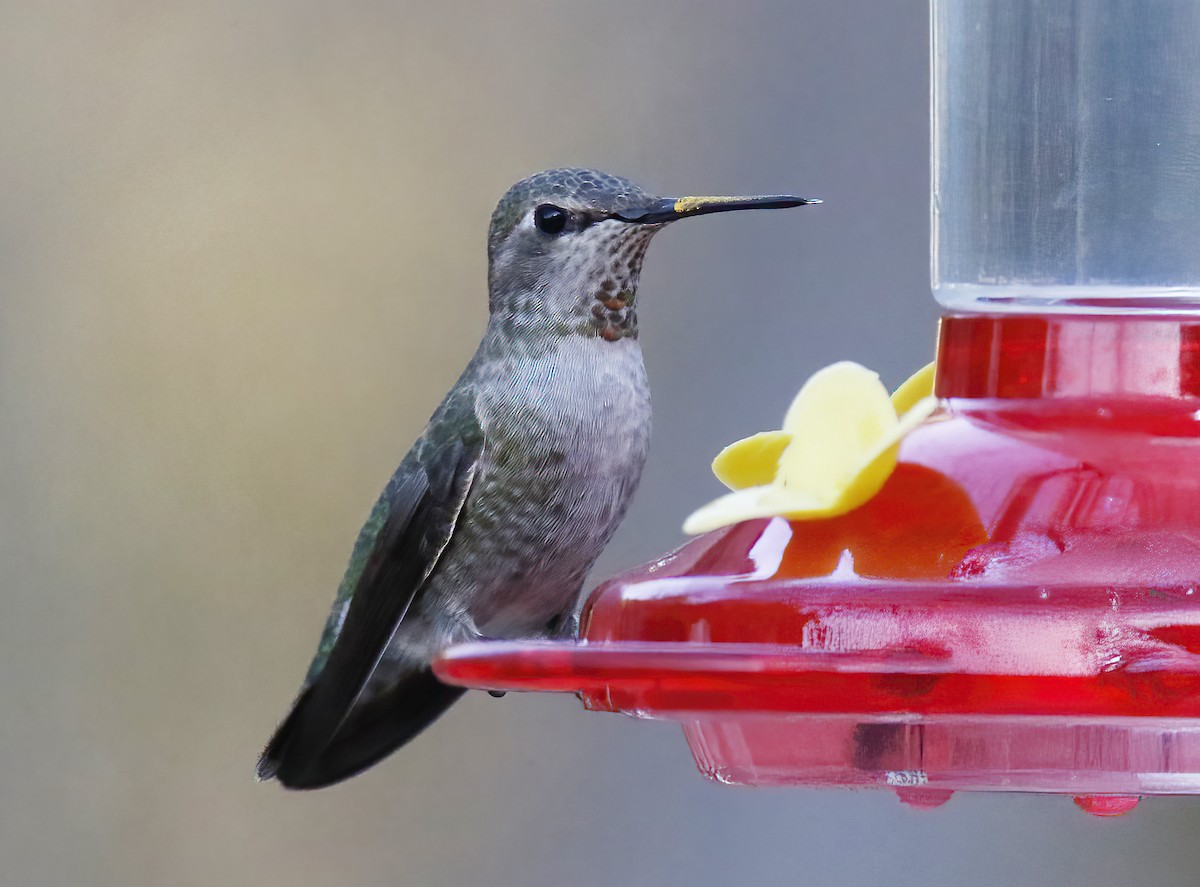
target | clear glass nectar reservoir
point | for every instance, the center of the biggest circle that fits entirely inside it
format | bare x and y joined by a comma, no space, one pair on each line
1066,155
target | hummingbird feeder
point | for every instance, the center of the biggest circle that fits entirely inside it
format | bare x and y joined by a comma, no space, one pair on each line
1012,602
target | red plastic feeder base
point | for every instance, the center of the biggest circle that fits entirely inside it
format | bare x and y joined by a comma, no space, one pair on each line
1016,610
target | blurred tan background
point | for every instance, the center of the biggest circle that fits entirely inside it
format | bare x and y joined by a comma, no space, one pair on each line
241,258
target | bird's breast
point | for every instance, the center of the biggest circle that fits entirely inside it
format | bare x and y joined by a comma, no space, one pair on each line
566,437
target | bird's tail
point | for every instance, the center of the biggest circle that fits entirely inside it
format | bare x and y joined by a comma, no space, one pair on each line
372,730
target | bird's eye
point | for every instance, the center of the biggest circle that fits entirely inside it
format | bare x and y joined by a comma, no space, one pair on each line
550,219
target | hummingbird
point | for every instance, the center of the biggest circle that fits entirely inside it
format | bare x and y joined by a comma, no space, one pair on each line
495,516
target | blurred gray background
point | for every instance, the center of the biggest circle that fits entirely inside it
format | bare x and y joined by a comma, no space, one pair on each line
241,258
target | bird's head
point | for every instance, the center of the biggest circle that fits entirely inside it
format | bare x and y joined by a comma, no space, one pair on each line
566,246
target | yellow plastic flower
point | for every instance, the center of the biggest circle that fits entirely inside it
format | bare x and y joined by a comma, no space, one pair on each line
838,447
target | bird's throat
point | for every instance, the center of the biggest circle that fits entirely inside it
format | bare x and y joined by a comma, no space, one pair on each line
613,315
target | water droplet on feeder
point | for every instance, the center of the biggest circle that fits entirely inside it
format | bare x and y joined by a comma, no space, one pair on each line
1106,805
925,798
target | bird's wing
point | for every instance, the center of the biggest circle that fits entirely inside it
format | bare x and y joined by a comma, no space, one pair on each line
423,503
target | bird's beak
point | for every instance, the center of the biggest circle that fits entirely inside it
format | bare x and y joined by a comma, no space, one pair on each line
671,208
